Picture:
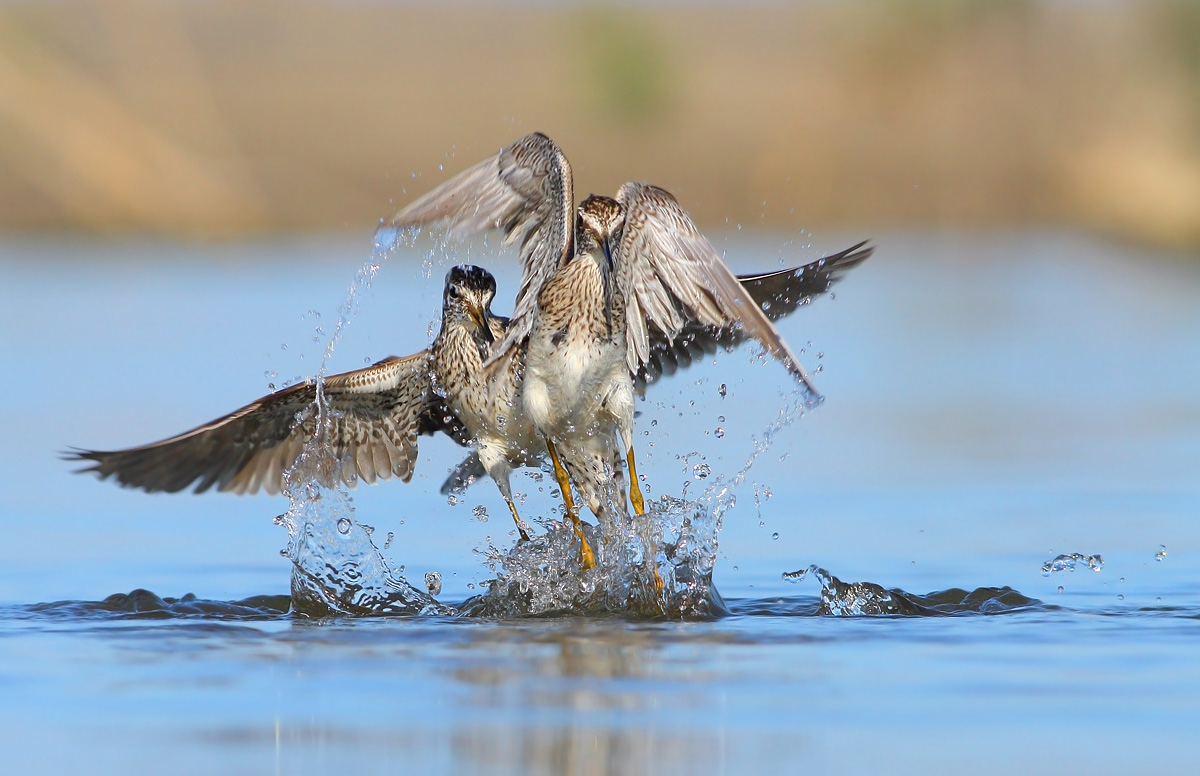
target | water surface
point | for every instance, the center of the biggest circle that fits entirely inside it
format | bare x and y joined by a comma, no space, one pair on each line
993,402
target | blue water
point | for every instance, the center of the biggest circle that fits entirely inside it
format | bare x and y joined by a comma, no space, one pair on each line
992,402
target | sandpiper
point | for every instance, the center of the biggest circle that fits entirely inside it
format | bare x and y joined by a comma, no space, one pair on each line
370,422
596,282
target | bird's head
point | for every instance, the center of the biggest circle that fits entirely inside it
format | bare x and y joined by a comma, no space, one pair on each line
467,298
598,229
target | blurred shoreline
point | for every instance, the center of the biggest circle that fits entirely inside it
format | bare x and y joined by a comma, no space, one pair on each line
219,120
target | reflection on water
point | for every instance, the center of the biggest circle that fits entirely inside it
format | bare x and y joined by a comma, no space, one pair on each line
773,685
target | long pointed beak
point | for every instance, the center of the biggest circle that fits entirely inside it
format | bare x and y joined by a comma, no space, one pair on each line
479,316
606,246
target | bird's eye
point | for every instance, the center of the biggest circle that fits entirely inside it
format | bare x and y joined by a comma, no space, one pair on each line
454,292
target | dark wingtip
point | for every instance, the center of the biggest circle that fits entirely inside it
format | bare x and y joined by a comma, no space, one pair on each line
78,454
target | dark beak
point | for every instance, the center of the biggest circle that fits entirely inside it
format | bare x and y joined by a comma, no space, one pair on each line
480,317
606,245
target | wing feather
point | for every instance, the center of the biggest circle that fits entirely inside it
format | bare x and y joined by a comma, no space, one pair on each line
524,191
374,416
671,275
777,294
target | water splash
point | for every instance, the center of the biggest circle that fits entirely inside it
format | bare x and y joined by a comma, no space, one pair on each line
657,565
336,569
867,599
673,578
841,599
1071,562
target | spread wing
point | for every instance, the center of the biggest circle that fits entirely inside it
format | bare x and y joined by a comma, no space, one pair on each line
525,191
671,275
373,414
778,294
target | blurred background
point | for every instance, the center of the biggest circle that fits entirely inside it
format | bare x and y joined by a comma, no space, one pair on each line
222,119
188,188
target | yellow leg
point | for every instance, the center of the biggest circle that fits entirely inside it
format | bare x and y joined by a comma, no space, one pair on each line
587,558
639,507
520,529
635,492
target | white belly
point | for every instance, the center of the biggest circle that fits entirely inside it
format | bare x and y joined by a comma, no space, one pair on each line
569,387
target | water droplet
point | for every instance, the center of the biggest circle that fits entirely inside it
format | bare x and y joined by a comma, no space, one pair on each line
452,500
1060,588
388,542
1120,597
480,513
1122,579
441,168
775,536
722,390
433,582
1069,563
720,418
1162,553
720,432
701,471
344,525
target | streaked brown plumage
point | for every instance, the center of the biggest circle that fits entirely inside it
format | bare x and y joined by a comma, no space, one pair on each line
371,417
638,261
250,449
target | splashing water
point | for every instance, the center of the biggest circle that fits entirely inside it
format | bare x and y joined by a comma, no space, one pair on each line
335,566
1070,562
841,599
867,599
659,564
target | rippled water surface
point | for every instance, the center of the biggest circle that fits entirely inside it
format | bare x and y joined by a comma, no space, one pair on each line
1002,486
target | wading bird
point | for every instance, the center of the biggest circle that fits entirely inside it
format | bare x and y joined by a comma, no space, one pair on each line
599,282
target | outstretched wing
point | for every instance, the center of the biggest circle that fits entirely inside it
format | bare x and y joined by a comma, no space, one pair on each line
777,294
671,275
372,415
525,191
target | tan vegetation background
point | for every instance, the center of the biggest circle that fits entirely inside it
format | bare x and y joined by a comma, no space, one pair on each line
224,118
